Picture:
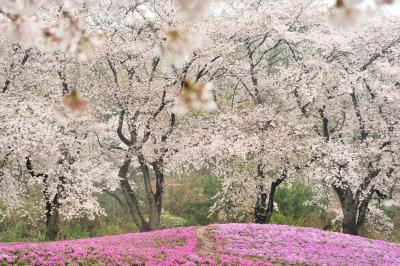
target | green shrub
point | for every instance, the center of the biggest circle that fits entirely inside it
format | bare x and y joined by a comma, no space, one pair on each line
169,220
291,200
280,218
191,197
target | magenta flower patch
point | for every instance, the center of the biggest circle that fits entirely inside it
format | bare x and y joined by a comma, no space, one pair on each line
231,244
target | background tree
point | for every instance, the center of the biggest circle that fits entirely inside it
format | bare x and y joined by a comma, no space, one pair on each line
347,93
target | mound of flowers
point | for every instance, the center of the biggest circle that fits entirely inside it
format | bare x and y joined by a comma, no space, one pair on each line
232,244
279,244
164,247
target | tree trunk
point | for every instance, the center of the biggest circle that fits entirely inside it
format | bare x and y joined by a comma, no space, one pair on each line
154,218
263,210
156,211
134,206
354,211
154,198
349,224
52,208
260,212
131,198
52,219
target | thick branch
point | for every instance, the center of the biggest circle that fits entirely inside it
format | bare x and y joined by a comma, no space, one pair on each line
125,140
379,54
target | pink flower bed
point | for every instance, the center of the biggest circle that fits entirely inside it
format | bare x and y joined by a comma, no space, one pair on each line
299,245
232,244
164,247
167,246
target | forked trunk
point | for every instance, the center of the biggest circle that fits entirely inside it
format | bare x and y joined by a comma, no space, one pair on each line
131,197
354,210
264,210
154,199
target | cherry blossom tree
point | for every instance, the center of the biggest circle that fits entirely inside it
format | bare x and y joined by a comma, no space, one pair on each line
351,93
62,161
158,63
241,142
42,147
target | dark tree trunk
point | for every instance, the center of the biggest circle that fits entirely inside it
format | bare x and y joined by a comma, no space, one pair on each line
52,220
154,199
131,198
159,175
52,208
354,211
260,212
52,205
355,206
349,209
264,210
349,224
270,209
